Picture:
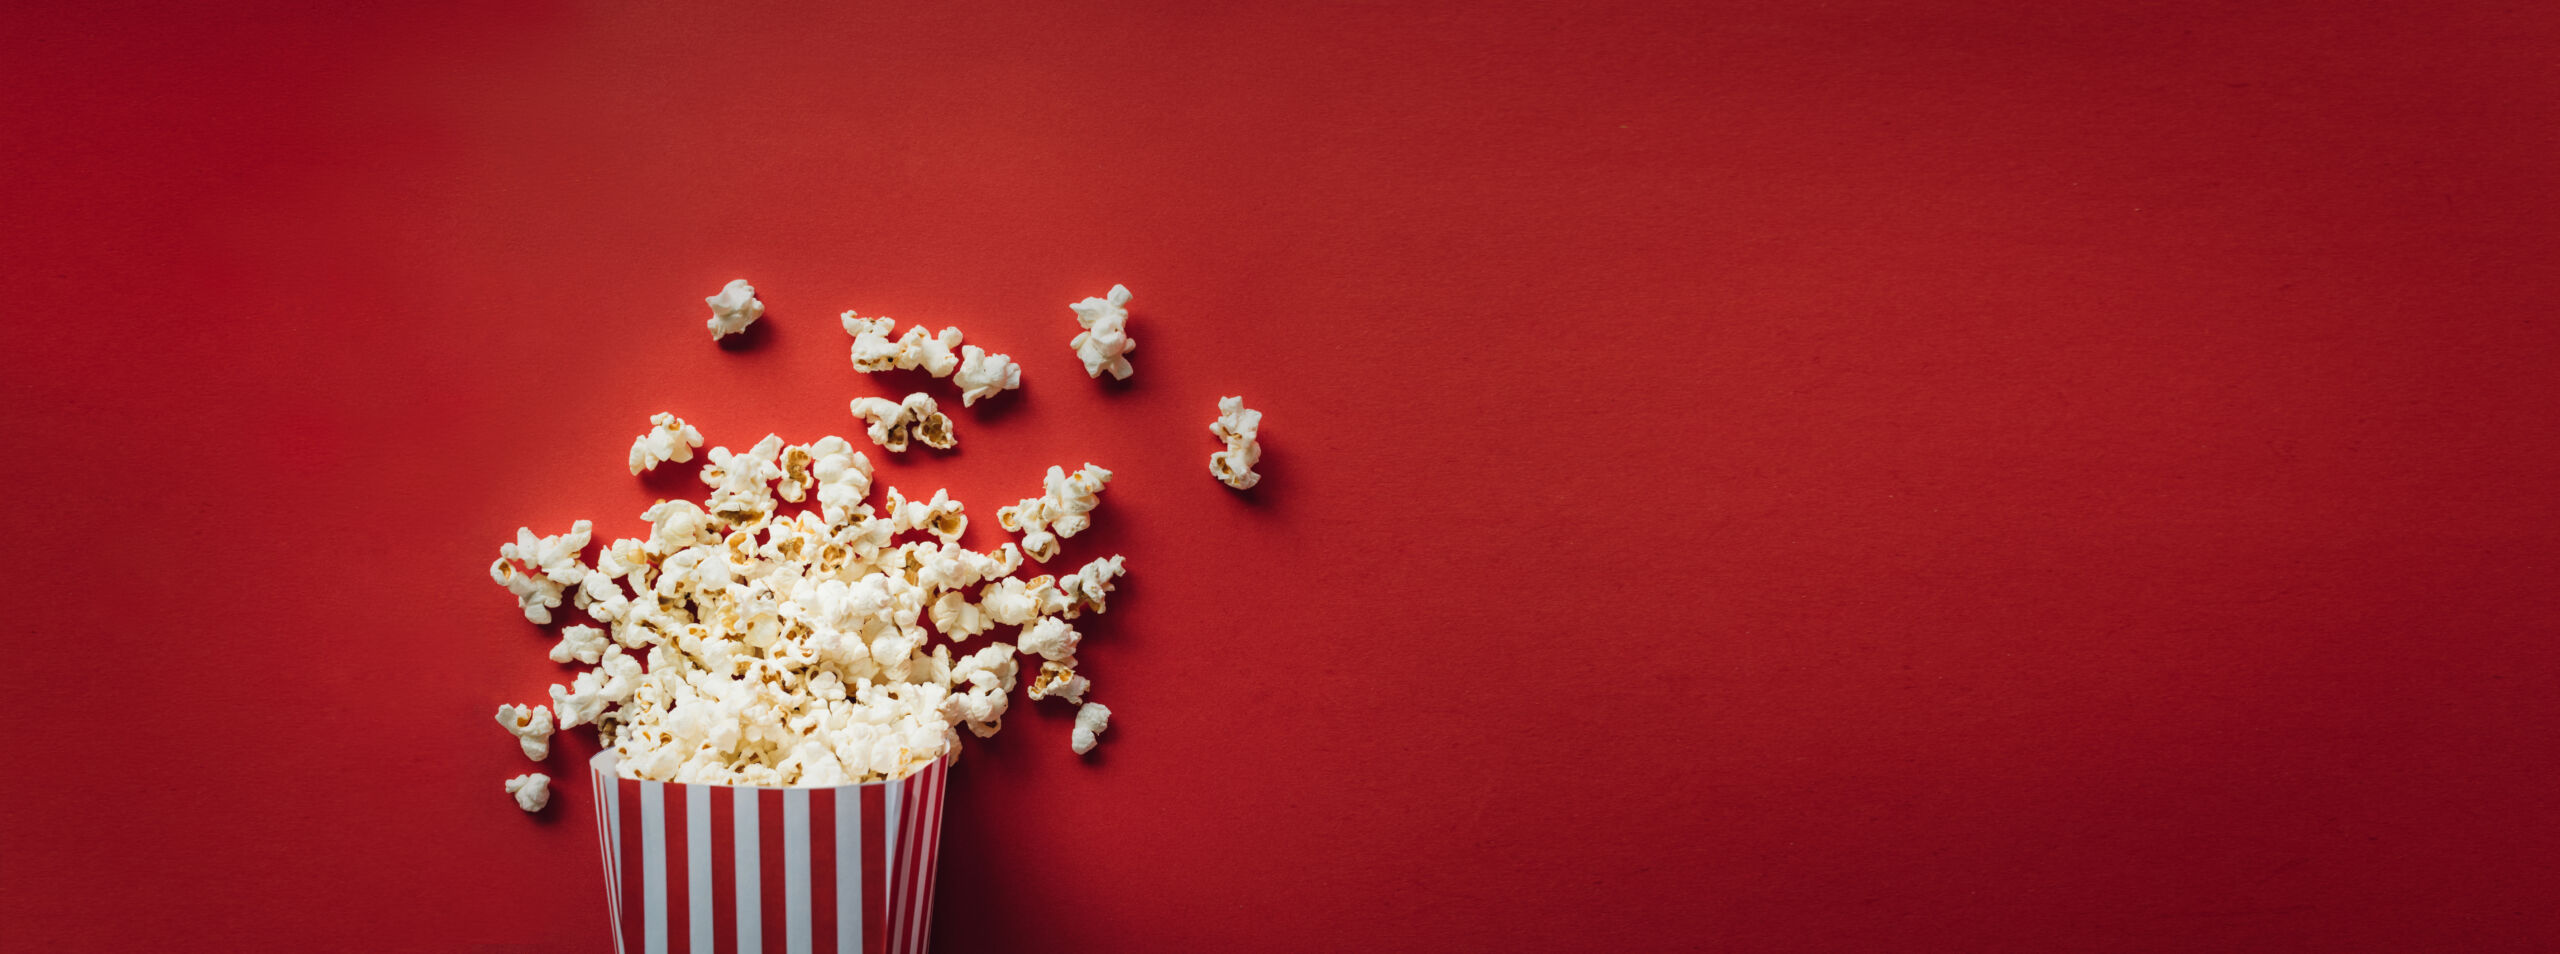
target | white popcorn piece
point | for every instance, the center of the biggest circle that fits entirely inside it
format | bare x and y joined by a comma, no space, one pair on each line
669,440
956,617
985,375
733,309
1105,342
1086,587
941,516
930,353
742,484
584,644
1058,680
532,791
1050,638
892,425
872,348
1062,510
988,675
843,477
531,727
1241,428
538,569
1090,721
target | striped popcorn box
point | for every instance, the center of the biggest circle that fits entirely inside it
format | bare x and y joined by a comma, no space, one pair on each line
722,868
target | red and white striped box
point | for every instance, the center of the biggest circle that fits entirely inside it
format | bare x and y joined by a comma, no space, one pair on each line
723,868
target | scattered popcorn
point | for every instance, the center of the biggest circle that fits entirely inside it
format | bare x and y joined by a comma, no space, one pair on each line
735,644
531,791
531,727
978,373
893,424
670,439
1090,721
536,570
1105,343
1062,510
733,309
1239,426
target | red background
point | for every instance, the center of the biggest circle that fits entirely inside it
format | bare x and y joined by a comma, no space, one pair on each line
1768,476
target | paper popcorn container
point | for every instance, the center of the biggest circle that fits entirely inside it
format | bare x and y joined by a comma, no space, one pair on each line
720,868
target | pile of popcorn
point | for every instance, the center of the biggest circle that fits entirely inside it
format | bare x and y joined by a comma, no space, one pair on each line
745,642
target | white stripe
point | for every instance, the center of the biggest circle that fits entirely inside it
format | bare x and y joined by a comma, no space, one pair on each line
697,857
750,893
605,796
653,866
849,868
795,868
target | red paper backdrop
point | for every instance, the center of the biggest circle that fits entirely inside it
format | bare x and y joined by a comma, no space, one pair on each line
1769,476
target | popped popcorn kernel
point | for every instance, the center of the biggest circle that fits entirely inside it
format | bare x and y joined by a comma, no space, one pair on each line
733,309
1105,344
531,727
669,440
1090,721
1240,427
532,791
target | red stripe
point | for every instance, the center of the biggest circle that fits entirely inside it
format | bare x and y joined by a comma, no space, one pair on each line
724,868
679,880
626,802
919,806
933,848
776,884
822,869
875,887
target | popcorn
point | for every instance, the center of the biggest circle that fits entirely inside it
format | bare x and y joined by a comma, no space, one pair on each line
1059,680
892,425
531,727
940,516
531,791
537,569
669,439
740,642
872,349
1090,721
741,484
1050,638
1060,511
733,309
958,618
1239,427
979,374
1086,587
931,354
843,477
1105,343
989,674
584,644
984,375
